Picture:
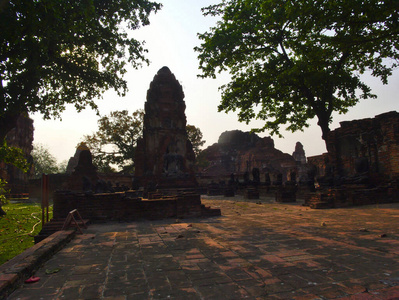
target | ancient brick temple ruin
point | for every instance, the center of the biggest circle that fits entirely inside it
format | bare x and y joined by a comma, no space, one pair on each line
367,146
239,153
244,163
164,156
83,195
362,165
164,162
84,177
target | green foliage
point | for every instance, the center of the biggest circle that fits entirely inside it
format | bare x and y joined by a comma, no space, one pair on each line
291,61
62,166
3,192
114,143
18,228
194,135
13,156
54,53
43,161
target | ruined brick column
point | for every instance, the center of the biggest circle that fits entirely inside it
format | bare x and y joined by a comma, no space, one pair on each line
164,156
84,177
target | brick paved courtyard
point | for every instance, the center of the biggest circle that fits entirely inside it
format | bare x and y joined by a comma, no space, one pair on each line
253,251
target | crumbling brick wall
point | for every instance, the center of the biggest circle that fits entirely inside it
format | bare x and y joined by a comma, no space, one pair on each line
367,145
118,206
320,162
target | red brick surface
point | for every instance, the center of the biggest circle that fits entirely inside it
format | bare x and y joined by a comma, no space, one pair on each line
253,251
17,270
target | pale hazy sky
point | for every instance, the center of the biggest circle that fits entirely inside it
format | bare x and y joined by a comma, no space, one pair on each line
170,39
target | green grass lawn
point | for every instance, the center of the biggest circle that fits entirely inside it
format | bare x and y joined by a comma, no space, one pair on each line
18,227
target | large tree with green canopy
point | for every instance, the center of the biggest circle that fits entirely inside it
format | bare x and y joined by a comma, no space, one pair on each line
115,141
291,61
44,161
54,53
195,136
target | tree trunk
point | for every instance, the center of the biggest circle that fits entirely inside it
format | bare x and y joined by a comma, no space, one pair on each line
325,129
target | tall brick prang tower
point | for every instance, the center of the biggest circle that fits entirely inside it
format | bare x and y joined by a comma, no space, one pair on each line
164,155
